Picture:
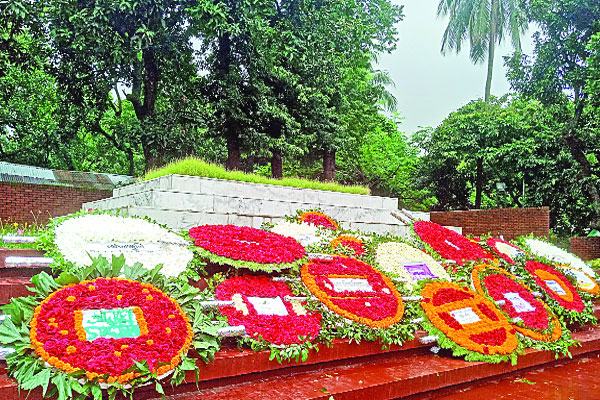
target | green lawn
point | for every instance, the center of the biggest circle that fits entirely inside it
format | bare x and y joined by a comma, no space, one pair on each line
197,167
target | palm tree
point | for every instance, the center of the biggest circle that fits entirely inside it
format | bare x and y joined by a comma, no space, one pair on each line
484,23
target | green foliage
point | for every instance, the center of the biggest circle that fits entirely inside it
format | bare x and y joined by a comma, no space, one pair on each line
197,167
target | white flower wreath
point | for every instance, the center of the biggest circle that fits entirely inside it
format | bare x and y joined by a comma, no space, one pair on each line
394,257
139,240
558,255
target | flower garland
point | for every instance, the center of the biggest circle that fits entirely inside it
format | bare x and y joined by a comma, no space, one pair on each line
354,290
449,244
538,321
304,233
75,238
556,255
556,285
467,323
408,264
584,282
505,250
245,247
260,305
58,337
83,331
318,219
354,244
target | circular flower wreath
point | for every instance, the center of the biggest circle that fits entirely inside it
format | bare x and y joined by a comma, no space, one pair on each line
318,219
354,290
449,244
289,323
556,285
355,244
392,258
584,282
245,247
538,321
474,326
556,255
505,250
75,238
304,233
59,337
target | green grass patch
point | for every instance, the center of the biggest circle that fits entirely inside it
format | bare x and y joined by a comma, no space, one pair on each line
196,167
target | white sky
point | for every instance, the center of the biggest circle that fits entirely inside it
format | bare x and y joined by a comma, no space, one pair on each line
430,86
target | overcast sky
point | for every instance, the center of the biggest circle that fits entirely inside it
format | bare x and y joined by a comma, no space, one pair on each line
428,85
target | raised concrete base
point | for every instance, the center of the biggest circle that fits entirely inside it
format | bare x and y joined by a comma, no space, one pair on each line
181,202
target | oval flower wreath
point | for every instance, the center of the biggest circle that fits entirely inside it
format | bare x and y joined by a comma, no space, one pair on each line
155,329
246,247
318,219
354,290
472,323
505,250
356,245
408,264
260,305
538,321
556,285
553,254
449,244
584,282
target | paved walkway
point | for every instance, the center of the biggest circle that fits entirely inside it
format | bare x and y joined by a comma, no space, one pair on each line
568,380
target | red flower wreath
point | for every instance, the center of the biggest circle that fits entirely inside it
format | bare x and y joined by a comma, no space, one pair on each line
375,302
318,219
59,337
449,244
556,285
493,243
223,243
277,328
539,321
351,242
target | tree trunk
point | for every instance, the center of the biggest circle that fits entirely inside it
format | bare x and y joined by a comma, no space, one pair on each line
479,183
276,164
329,165
153,160
491,51
234,155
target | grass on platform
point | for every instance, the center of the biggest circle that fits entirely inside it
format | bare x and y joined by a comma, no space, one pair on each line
197,167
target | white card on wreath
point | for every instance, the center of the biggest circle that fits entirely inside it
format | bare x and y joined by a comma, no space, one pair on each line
268,305
555,287
350,285
519,303
465,316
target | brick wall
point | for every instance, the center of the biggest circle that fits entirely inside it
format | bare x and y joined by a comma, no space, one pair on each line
24,202
587,248
510,222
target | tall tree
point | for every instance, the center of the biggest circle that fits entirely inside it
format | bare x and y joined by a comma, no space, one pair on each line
559,76
484,23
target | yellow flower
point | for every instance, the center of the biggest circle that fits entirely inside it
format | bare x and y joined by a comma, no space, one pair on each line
71,349
71,298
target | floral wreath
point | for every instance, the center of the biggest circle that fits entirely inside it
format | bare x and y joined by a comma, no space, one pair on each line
246,247
304,233
467,323
548,253
449,244
584,282
60,335
272,320
396,260
354,290
317,218
354,244
538,322
71,241
556,285
505,250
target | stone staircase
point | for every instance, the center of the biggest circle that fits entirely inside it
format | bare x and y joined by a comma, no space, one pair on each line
181,202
